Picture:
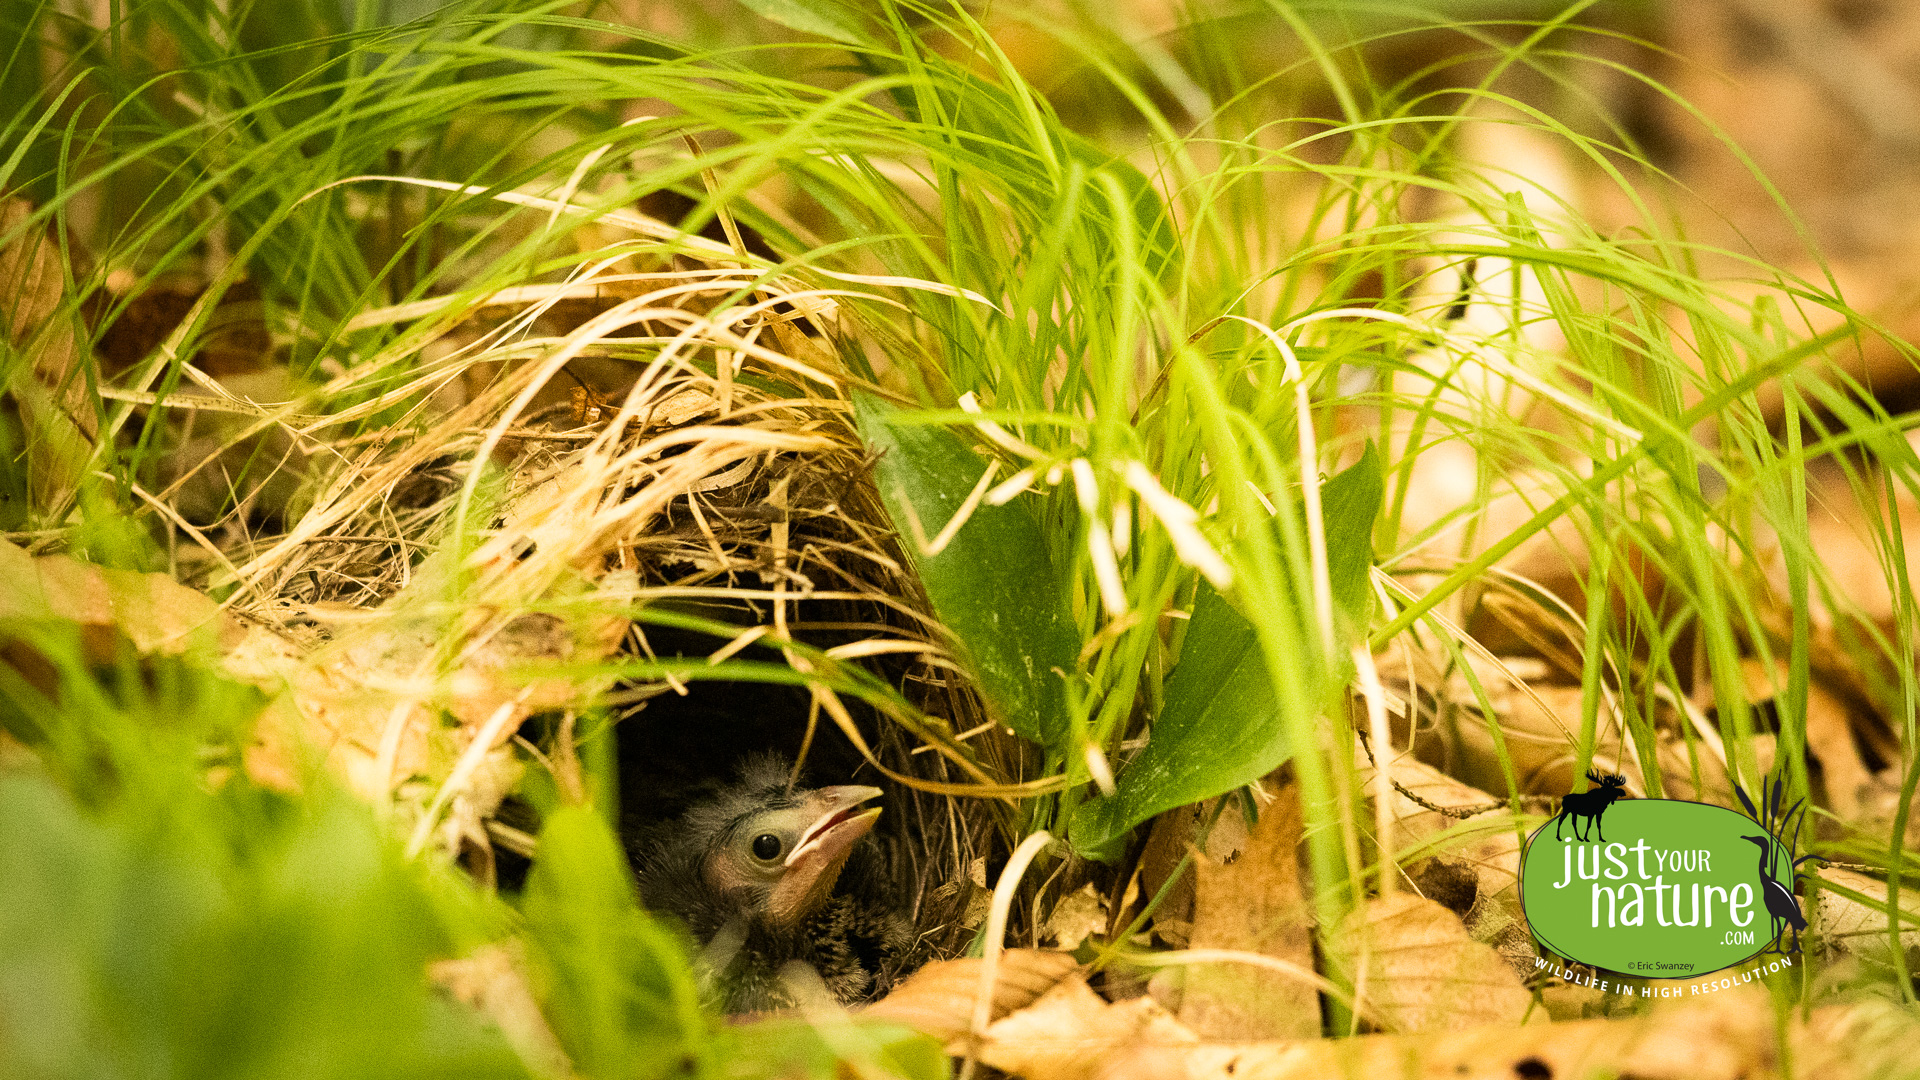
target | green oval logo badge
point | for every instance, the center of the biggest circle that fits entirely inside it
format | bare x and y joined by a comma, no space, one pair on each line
1656,888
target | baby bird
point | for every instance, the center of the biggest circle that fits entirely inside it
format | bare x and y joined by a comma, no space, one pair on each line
766,878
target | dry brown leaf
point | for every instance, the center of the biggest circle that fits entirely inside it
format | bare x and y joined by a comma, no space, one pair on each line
154,612
55,404
1867,1037
1486,841
1841,533
1829,737
349,694
1172,837
1075,917
1471,864
1538,718
30,280
1726,1036
1070,1033
1422,971
483,684
938,999
1253,903
1845,925
1534,726
31,289
1820,99
373,700
1167,841
273,759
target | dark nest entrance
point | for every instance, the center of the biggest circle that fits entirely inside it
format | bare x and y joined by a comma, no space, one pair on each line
791,572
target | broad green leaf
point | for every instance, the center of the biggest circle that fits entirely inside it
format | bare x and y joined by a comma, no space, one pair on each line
994,585
1221,726
1349,504
827,18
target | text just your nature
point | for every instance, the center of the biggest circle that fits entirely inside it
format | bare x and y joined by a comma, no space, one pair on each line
1626,903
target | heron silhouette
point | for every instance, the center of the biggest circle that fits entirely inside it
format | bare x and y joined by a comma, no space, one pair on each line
1780,902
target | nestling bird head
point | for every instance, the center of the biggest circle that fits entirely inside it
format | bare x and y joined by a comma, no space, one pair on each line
764,849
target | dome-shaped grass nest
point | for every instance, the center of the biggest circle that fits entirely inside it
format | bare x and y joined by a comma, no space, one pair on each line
634,505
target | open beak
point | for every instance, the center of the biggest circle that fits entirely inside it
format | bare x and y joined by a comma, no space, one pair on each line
814,866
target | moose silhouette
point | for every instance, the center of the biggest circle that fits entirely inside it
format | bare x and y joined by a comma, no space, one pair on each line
1590,804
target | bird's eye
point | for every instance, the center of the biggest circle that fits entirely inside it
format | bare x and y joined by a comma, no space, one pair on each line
766,847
